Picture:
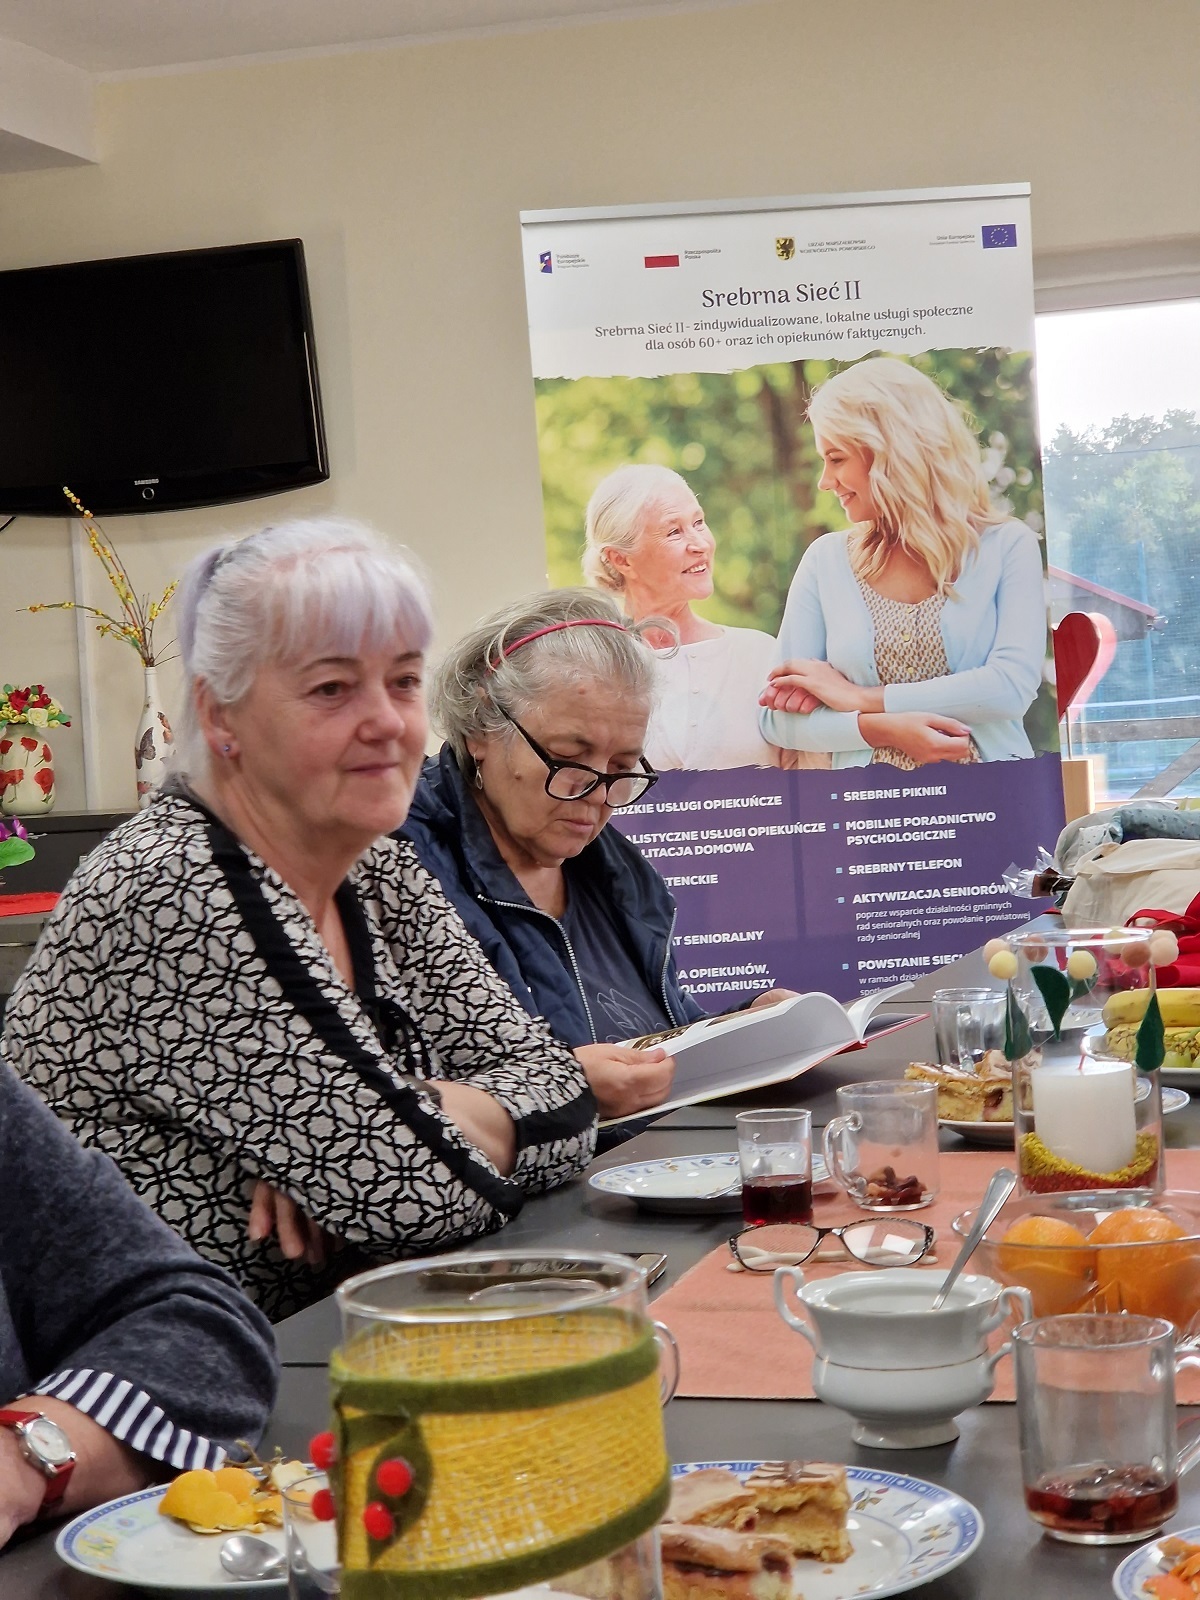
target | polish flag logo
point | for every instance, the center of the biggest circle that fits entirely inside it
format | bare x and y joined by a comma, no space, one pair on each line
662,261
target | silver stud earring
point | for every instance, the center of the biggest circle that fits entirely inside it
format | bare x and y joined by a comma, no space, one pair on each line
227,748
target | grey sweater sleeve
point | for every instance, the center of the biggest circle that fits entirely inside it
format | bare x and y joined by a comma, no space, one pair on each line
104,1306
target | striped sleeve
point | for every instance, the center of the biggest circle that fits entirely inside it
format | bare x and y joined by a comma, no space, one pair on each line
129,1414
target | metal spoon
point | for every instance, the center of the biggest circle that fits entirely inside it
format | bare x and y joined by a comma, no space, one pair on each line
251,1559
1002,1184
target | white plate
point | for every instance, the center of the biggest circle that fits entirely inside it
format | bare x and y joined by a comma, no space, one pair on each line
1001,1133
129,1541
683,1183
1129,1580
905,1532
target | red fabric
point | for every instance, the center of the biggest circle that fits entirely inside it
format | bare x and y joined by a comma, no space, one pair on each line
1185,925
26,905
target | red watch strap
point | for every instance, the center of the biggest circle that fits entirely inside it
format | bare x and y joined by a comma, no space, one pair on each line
10,1418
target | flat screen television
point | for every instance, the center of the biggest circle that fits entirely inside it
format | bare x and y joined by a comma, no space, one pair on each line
156,382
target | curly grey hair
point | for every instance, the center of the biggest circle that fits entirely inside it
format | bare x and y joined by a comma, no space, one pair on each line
326,584
476,678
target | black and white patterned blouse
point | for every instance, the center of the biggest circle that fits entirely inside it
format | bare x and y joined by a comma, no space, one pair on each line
182,1014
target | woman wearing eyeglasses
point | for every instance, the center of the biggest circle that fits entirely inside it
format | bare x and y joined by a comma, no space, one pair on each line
544,709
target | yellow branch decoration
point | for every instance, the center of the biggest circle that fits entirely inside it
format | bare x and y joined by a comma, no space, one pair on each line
135,623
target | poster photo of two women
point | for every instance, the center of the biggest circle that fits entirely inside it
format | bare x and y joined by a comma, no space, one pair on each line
843,559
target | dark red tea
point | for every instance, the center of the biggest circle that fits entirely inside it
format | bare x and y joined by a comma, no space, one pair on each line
779,1198
1113,1500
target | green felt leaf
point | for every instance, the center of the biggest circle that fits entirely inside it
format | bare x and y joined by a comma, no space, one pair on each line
1018,1041
1055,989
14,851
1151,1038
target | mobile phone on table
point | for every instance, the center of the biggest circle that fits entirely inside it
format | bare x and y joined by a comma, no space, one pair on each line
653,1263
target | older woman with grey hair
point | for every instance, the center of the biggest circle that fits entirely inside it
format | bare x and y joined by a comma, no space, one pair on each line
252,983
544,708
649,545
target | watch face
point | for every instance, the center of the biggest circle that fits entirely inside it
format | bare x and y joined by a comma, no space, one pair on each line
49,1442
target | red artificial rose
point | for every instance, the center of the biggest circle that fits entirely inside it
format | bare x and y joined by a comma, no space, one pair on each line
27,743
44,778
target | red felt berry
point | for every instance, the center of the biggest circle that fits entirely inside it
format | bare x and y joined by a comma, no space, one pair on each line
378,1521
322,1451
322,1506
394,1477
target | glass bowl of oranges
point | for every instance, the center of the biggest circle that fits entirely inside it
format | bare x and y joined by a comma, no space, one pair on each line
1099,1251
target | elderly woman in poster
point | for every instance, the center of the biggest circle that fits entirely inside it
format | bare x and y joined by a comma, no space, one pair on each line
919,634
648,543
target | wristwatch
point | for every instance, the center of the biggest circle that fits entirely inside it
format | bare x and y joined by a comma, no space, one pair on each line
46,1447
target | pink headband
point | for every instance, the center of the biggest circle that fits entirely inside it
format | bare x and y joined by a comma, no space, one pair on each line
555,627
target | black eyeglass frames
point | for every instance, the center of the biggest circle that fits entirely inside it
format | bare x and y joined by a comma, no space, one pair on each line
886,1242
571,780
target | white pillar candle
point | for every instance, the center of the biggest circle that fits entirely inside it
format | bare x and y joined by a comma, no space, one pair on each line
1083,1113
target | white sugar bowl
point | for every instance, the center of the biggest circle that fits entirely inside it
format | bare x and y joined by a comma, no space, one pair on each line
902,1370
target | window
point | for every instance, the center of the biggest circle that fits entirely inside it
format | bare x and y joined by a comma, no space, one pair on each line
1119,396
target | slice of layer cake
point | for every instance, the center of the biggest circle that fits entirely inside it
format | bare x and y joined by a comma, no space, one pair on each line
712,1497
804,1502
984,1095
701,1563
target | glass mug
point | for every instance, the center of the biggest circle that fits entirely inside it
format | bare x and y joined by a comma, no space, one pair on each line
1100,1450
967,1023
523,1390
883,1146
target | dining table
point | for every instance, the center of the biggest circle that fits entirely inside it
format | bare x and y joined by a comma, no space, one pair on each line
982,1465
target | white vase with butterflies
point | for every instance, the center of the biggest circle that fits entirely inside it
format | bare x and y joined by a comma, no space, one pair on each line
152,743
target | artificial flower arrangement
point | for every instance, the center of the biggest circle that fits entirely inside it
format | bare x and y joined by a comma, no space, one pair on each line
138,614
15,847
31,705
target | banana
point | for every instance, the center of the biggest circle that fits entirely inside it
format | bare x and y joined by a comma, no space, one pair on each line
1182,1044
1180,1007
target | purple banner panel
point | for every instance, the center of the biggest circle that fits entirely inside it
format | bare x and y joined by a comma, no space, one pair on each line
844,880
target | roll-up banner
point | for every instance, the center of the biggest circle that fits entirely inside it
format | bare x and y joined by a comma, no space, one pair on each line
803,432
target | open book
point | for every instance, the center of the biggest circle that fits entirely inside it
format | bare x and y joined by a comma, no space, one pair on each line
751,1049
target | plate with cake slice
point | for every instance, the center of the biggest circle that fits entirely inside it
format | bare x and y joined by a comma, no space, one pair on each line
777,1530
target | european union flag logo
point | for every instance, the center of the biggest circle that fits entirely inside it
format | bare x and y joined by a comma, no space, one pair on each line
546,261
1001,236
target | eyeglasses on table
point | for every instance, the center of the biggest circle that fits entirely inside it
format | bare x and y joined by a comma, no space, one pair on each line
876,1242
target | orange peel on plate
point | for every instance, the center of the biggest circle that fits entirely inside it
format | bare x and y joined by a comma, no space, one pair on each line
229,1500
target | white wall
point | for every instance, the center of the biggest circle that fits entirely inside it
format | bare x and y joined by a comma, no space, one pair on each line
404,170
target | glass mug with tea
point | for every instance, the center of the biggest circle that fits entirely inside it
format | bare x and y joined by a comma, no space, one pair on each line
775,1157
1100,1451
882,1147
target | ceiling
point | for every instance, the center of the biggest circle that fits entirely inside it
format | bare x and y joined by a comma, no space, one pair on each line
122,36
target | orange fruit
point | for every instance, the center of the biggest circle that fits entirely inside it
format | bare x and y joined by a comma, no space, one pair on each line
1153,1277
1050,1258
1038,1237
1134,1225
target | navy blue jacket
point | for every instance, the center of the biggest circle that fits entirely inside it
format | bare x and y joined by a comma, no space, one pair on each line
528,947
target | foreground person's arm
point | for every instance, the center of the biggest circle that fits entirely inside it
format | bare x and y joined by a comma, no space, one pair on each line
148,1358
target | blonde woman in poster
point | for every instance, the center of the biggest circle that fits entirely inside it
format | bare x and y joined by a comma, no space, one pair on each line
648,543
919,634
